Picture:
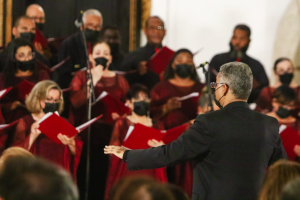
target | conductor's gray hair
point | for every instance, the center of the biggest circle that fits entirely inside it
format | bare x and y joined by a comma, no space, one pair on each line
239,78
91,12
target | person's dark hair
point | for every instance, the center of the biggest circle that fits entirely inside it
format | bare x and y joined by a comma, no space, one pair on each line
203,100
177,192
157,17
243,27
17,22
285,95
291,191
279,60
109,27
10,68
35,179
239,78
136,187
135,89
278,175
169,72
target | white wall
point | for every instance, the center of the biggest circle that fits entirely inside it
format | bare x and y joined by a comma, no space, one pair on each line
209,24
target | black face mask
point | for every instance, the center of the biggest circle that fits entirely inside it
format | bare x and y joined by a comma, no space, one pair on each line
26,65
141,108
51,107
183,70
40,26
28,36
238,54
217,102
283,112
114,48
91,35
286,78
101,61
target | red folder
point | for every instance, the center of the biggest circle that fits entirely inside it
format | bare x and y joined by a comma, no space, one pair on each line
24,88
160,60
107,104
139,136
52,124
4,92
40,38
172,134
290,138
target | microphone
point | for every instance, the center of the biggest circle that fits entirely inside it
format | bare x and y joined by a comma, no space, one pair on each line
79,21
202,65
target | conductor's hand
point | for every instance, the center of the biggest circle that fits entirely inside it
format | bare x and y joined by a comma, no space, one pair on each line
155,143
116,150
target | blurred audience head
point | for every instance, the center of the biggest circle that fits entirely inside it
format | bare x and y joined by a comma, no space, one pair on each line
92,24
101,55
111,35
46,96
22,178
24,27
284,99
278,175
140,188
240,39
155,31
181,65
138,99
14,152
284,70
37,14
203,103
291,191
177,192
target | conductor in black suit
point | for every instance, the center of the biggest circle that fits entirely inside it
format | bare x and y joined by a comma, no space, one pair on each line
232,147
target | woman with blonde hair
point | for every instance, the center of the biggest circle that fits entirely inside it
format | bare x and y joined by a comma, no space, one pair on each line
279,174
46,96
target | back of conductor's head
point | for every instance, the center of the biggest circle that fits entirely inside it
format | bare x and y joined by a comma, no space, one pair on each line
35,179
238,77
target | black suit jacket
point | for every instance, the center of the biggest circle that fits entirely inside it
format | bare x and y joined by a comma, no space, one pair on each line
258,71
232,149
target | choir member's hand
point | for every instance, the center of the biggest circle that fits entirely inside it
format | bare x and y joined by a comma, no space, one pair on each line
192,121
67,141
38,47
297,150
115,116
142,68
15,104
35,132
172,104
155,143
116,150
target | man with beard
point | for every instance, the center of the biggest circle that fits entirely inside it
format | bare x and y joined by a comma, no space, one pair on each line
137,60
111,35
73,46
238,46
24,28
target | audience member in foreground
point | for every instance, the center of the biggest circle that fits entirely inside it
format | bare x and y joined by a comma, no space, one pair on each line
13,152
25,178
277,177
291,190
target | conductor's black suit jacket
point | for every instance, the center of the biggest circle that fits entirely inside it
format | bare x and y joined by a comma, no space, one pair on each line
232,149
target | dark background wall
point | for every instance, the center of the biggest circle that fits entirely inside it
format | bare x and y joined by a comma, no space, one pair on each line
61,15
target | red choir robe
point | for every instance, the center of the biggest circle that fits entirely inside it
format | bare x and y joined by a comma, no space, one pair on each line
290,138
162,92
264,100
181,174
3,135
46,148
100,131
118,168
10,97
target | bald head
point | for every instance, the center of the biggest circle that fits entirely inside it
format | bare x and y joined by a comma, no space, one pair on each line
37,14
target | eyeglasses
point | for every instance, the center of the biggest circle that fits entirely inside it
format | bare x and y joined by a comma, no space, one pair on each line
53,100
213,85
152,28
22,56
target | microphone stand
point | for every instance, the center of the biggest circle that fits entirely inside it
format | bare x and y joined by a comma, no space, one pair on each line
207,80
90,93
